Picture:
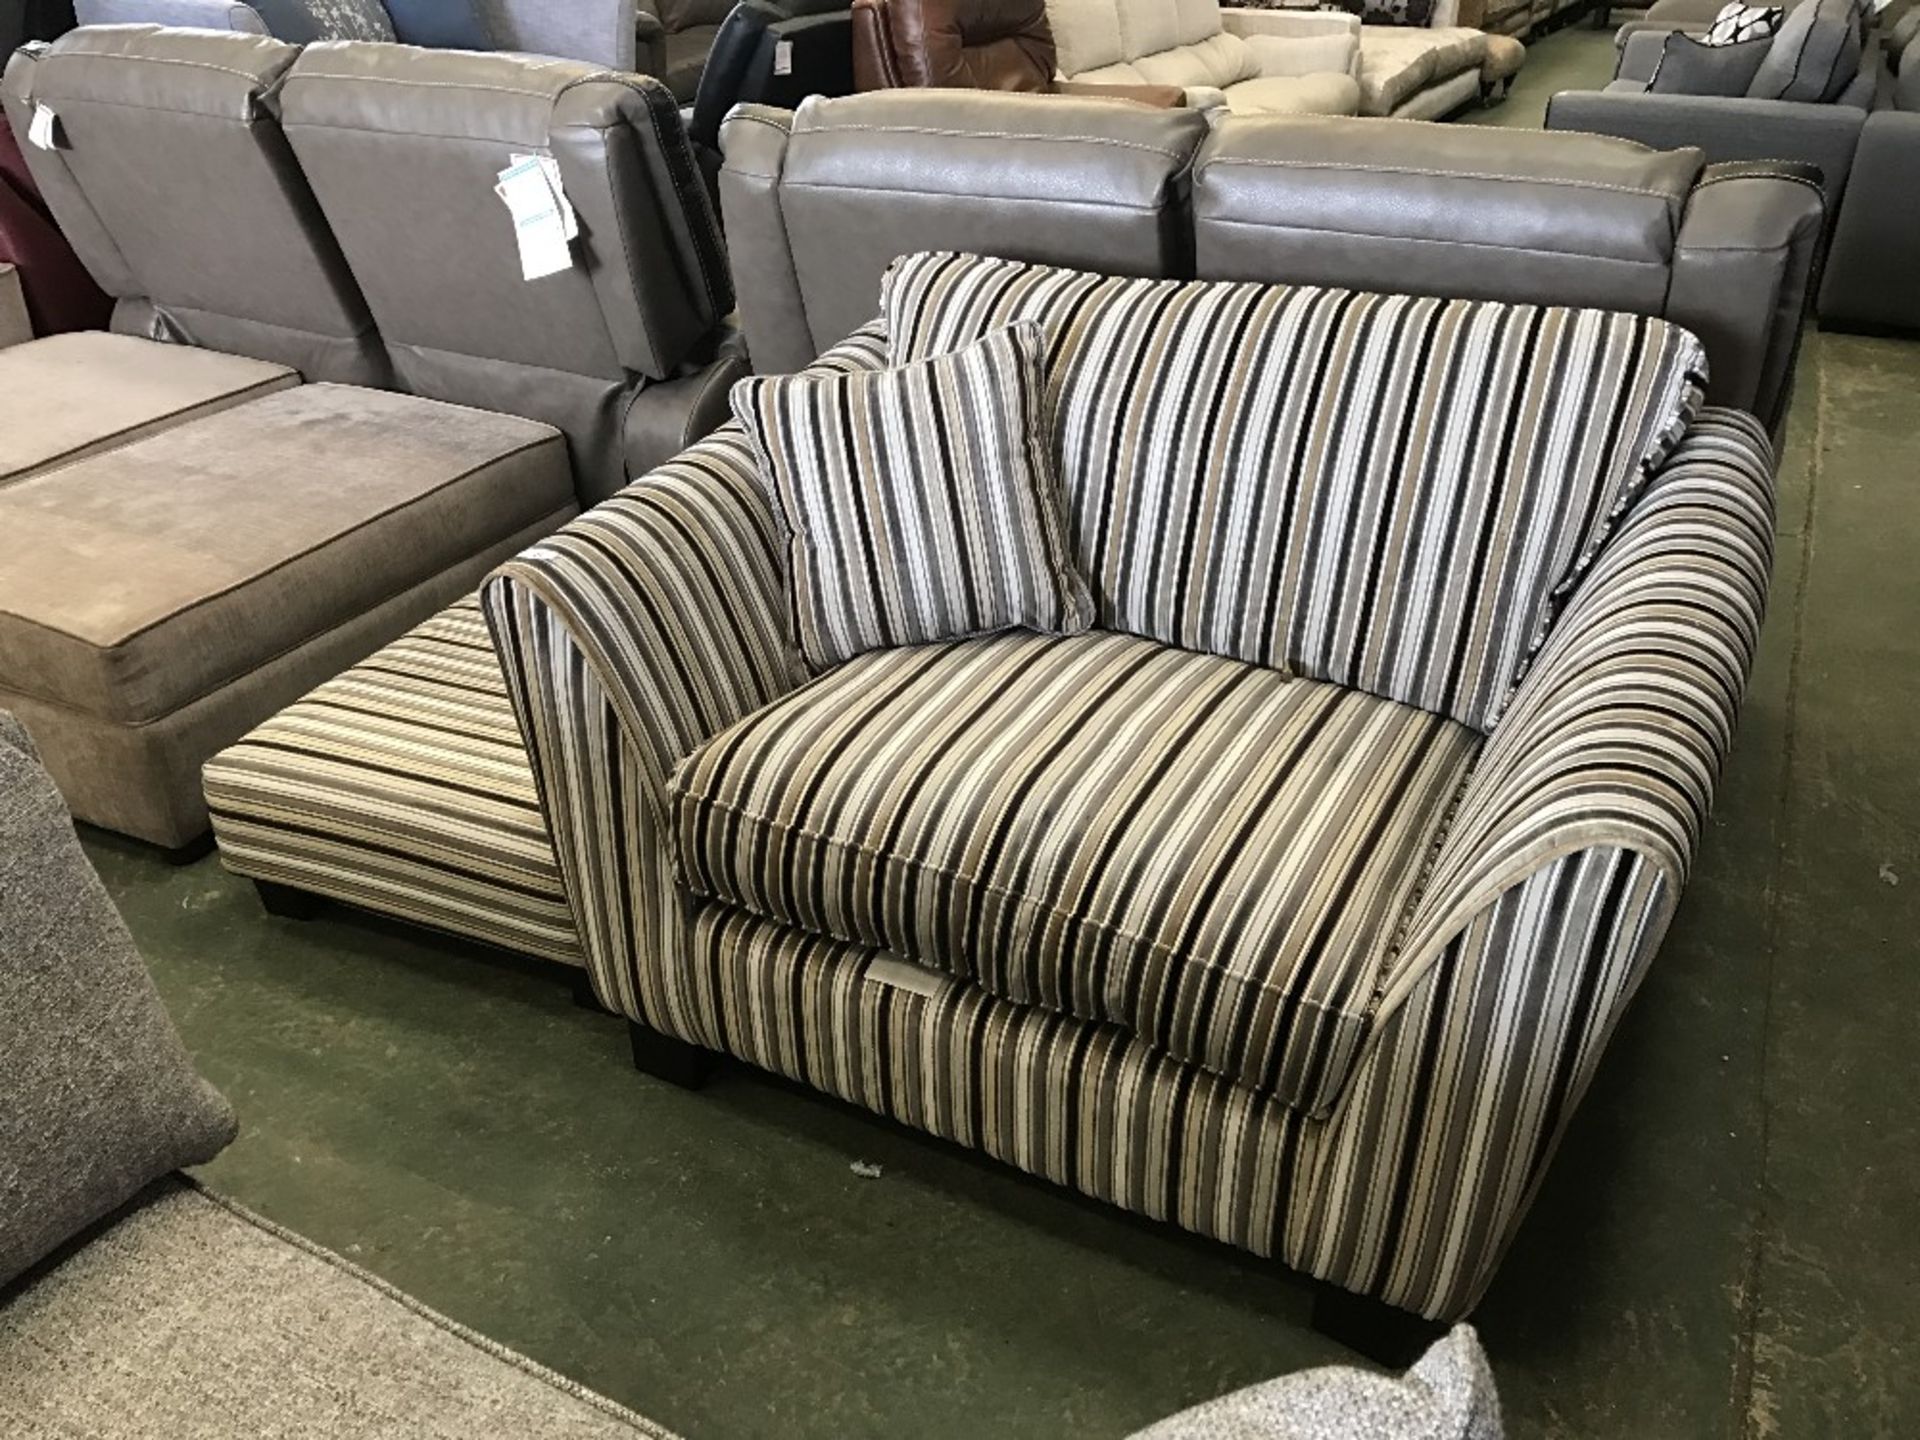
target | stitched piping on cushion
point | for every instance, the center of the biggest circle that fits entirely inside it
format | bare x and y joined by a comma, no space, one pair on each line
844,189
129,58
1279,164
1424,883
1207,963
1356,1023
1349,233
1000,137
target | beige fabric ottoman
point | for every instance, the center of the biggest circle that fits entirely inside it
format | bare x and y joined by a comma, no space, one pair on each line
161,598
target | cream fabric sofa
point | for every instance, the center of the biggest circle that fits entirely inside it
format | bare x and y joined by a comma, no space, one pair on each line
1253,61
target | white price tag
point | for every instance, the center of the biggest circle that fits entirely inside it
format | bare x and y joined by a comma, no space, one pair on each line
543,222
43,131
783,57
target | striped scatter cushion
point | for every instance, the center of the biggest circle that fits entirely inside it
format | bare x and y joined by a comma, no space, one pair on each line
1207,853
1386,491
918,503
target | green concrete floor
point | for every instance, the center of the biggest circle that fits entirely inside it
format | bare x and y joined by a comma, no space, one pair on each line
1728,1245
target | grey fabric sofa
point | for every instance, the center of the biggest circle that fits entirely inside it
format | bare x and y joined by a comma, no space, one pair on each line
353,418
1868,279
177,1312
618,34
636,635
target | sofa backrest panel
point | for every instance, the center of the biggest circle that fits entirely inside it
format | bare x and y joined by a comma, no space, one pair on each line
820,201
404,148
172,179
1459,211
1552,217
1388,492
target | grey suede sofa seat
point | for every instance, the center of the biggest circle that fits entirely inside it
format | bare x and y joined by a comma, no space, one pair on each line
191,537
626,350
661,582
134,1303
617,34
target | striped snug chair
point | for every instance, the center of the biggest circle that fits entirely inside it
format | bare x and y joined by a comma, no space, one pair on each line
1293,903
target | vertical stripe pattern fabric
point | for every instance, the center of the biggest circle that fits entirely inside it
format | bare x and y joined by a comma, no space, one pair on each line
1207,853
402,787
656,621
1390,492
1410,1192
917,503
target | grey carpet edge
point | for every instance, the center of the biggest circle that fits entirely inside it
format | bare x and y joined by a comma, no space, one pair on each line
573,1389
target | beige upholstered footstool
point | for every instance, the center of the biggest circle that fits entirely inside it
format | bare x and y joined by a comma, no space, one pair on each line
162,597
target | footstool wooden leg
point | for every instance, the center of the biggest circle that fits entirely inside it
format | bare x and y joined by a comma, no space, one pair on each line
1383,1333
287,902
665,1058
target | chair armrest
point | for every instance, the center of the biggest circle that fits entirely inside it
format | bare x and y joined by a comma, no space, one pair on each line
1872,279
15,328
627,638
1726,128
1616,734
1640,56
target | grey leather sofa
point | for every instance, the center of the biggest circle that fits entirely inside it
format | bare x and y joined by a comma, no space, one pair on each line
671,573
247,485
819,202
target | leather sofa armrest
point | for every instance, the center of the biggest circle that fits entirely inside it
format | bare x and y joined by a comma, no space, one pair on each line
754,140
1750,236
649,44
1640,55
1873,268
1726,129
14,326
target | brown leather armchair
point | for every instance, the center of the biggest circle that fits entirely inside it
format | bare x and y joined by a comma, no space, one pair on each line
969,45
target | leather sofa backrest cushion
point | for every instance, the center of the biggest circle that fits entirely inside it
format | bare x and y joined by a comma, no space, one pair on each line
1393,493
404,148
1450,210
861,180
177,189
1815,55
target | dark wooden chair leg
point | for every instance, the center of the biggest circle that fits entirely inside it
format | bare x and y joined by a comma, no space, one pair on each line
1383,1333
287,902
583,995
194,850
665,1058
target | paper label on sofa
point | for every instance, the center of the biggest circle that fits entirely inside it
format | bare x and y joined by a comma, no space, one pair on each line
540,224
783,57
43,131
902,976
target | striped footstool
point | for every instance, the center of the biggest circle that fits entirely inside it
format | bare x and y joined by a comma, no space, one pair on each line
402,787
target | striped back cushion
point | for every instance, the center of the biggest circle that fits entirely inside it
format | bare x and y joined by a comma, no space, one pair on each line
918,503
1384,491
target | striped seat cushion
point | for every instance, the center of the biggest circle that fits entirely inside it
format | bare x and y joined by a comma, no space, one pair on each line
1208,853
402,787
1391,492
